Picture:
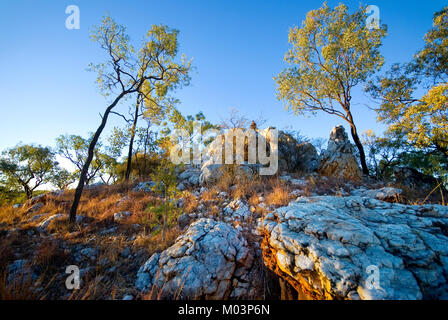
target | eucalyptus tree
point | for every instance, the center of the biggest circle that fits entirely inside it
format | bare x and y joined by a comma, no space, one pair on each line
153,71
27,166
332,52
414,96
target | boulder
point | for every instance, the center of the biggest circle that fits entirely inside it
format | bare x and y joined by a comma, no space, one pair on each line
211,173
359,248
211,260
338,159
21,273
59,216
189,177
94,186
121,216
35,207
414,179
238,210
214,165
145,186
384,194
294,156
183,220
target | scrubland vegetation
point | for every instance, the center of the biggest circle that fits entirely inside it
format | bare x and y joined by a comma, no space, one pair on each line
130,201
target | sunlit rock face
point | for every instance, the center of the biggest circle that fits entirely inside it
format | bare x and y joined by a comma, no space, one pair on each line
238,162
359,248
295,156
211,260
338,159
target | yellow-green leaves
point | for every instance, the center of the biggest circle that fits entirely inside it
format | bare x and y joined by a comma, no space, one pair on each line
433,59
414,97
330,53
152,71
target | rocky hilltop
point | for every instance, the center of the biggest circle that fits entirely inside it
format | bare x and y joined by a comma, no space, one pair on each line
353,246
317,230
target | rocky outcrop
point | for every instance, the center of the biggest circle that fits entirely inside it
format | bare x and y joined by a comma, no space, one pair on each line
145,186
359,248
188,178
414,179
43,226
294,156
212,260
211,173
215,166
384,194
338,159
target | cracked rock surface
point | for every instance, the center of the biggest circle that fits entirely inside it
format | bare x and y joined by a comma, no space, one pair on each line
211,260
338,159
359,248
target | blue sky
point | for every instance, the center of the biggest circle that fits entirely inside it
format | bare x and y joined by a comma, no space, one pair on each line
237,48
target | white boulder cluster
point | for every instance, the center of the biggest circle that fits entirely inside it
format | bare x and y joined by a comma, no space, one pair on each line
360,248
212,260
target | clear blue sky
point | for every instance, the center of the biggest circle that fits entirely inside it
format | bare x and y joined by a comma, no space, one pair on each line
237,47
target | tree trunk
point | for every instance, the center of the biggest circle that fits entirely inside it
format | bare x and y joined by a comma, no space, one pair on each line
85,168
362,155
131,143
164,216
29,192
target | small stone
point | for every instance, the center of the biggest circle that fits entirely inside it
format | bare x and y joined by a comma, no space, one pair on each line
126,252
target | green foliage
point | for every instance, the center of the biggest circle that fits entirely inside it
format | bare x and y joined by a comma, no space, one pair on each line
75,148
143,166
195,126
166,179
331,53
166,184
393,150
118,139
9,195
27,166
158,212
414,96
62,178
432,60
151,71
109,168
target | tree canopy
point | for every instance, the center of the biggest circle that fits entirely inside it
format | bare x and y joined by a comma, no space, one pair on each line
331,53
27,166
414,96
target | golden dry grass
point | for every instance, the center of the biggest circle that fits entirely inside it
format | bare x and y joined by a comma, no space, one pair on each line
279,196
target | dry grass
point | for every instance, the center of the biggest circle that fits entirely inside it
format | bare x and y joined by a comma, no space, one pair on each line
48,253
19,289
155,243
191,203
279,196
6,254
10,216
226,181
245,189
419,197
